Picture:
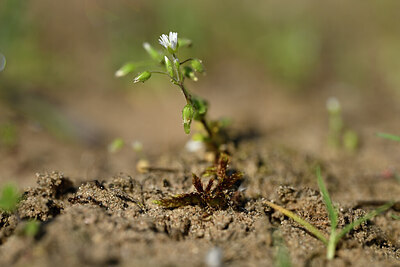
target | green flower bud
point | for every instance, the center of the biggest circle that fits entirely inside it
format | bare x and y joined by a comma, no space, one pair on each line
197,65
189,72
177,68
187,116
154,54
125,69
142,77
168,65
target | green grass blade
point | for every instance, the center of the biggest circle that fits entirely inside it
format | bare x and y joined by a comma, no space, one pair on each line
310,228
359,221
395,217
333,217
389,136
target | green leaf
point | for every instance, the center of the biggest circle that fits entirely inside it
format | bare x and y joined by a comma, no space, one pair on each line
389,136
365,218
332,213
395,217
9,198
310,228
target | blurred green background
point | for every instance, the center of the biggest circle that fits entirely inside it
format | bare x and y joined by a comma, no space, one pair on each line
64,52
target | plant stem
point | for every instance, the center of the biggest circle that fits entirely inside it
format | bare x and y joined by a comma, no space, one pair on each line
185,92
331,248
186,60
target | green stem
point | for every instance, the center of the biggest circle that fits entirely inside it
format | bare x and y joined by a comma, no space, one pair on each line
331,248
186,93
186,60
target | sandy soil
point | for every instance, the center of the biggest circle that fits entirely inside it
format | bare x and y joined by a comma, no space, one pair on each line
115,222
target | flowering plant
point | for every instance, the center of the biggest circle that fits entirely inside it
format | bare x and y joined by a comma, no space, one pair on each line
178,71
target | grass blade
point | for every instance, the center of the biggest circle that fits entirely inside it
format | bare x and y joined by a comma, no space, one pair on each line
389,136
310,228
359,221
333,217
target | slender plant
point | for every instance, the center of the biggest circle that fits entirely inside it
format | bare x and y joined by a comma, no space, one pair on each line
335,234
339,135
178,71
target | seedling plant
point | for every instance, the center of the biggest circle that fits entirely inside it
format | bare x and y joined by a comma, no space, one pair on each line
167,63
196,108
335,234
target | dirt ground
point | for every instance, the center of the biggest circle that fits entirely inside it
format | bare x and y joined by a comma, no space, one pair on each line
101,211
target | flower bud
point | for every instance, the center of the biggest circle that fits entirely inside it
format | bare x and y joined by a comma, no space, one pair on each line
197,65
125,69
168,65
178,70
187,116
142,77
189,72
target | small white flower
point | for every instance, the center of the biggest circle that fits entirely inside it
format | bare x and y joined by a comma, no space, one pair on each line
169,42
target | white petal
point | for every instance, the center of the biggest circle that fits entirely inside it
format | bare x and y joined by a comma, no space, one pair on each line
173,38
164,41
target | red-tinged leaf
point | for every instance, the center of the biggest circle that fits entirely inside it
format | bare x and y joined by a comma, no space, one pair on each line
222,166
197,183
209,185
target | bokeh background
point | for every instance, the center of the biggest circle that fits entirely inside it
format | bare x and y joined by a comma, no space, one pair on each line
271,65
